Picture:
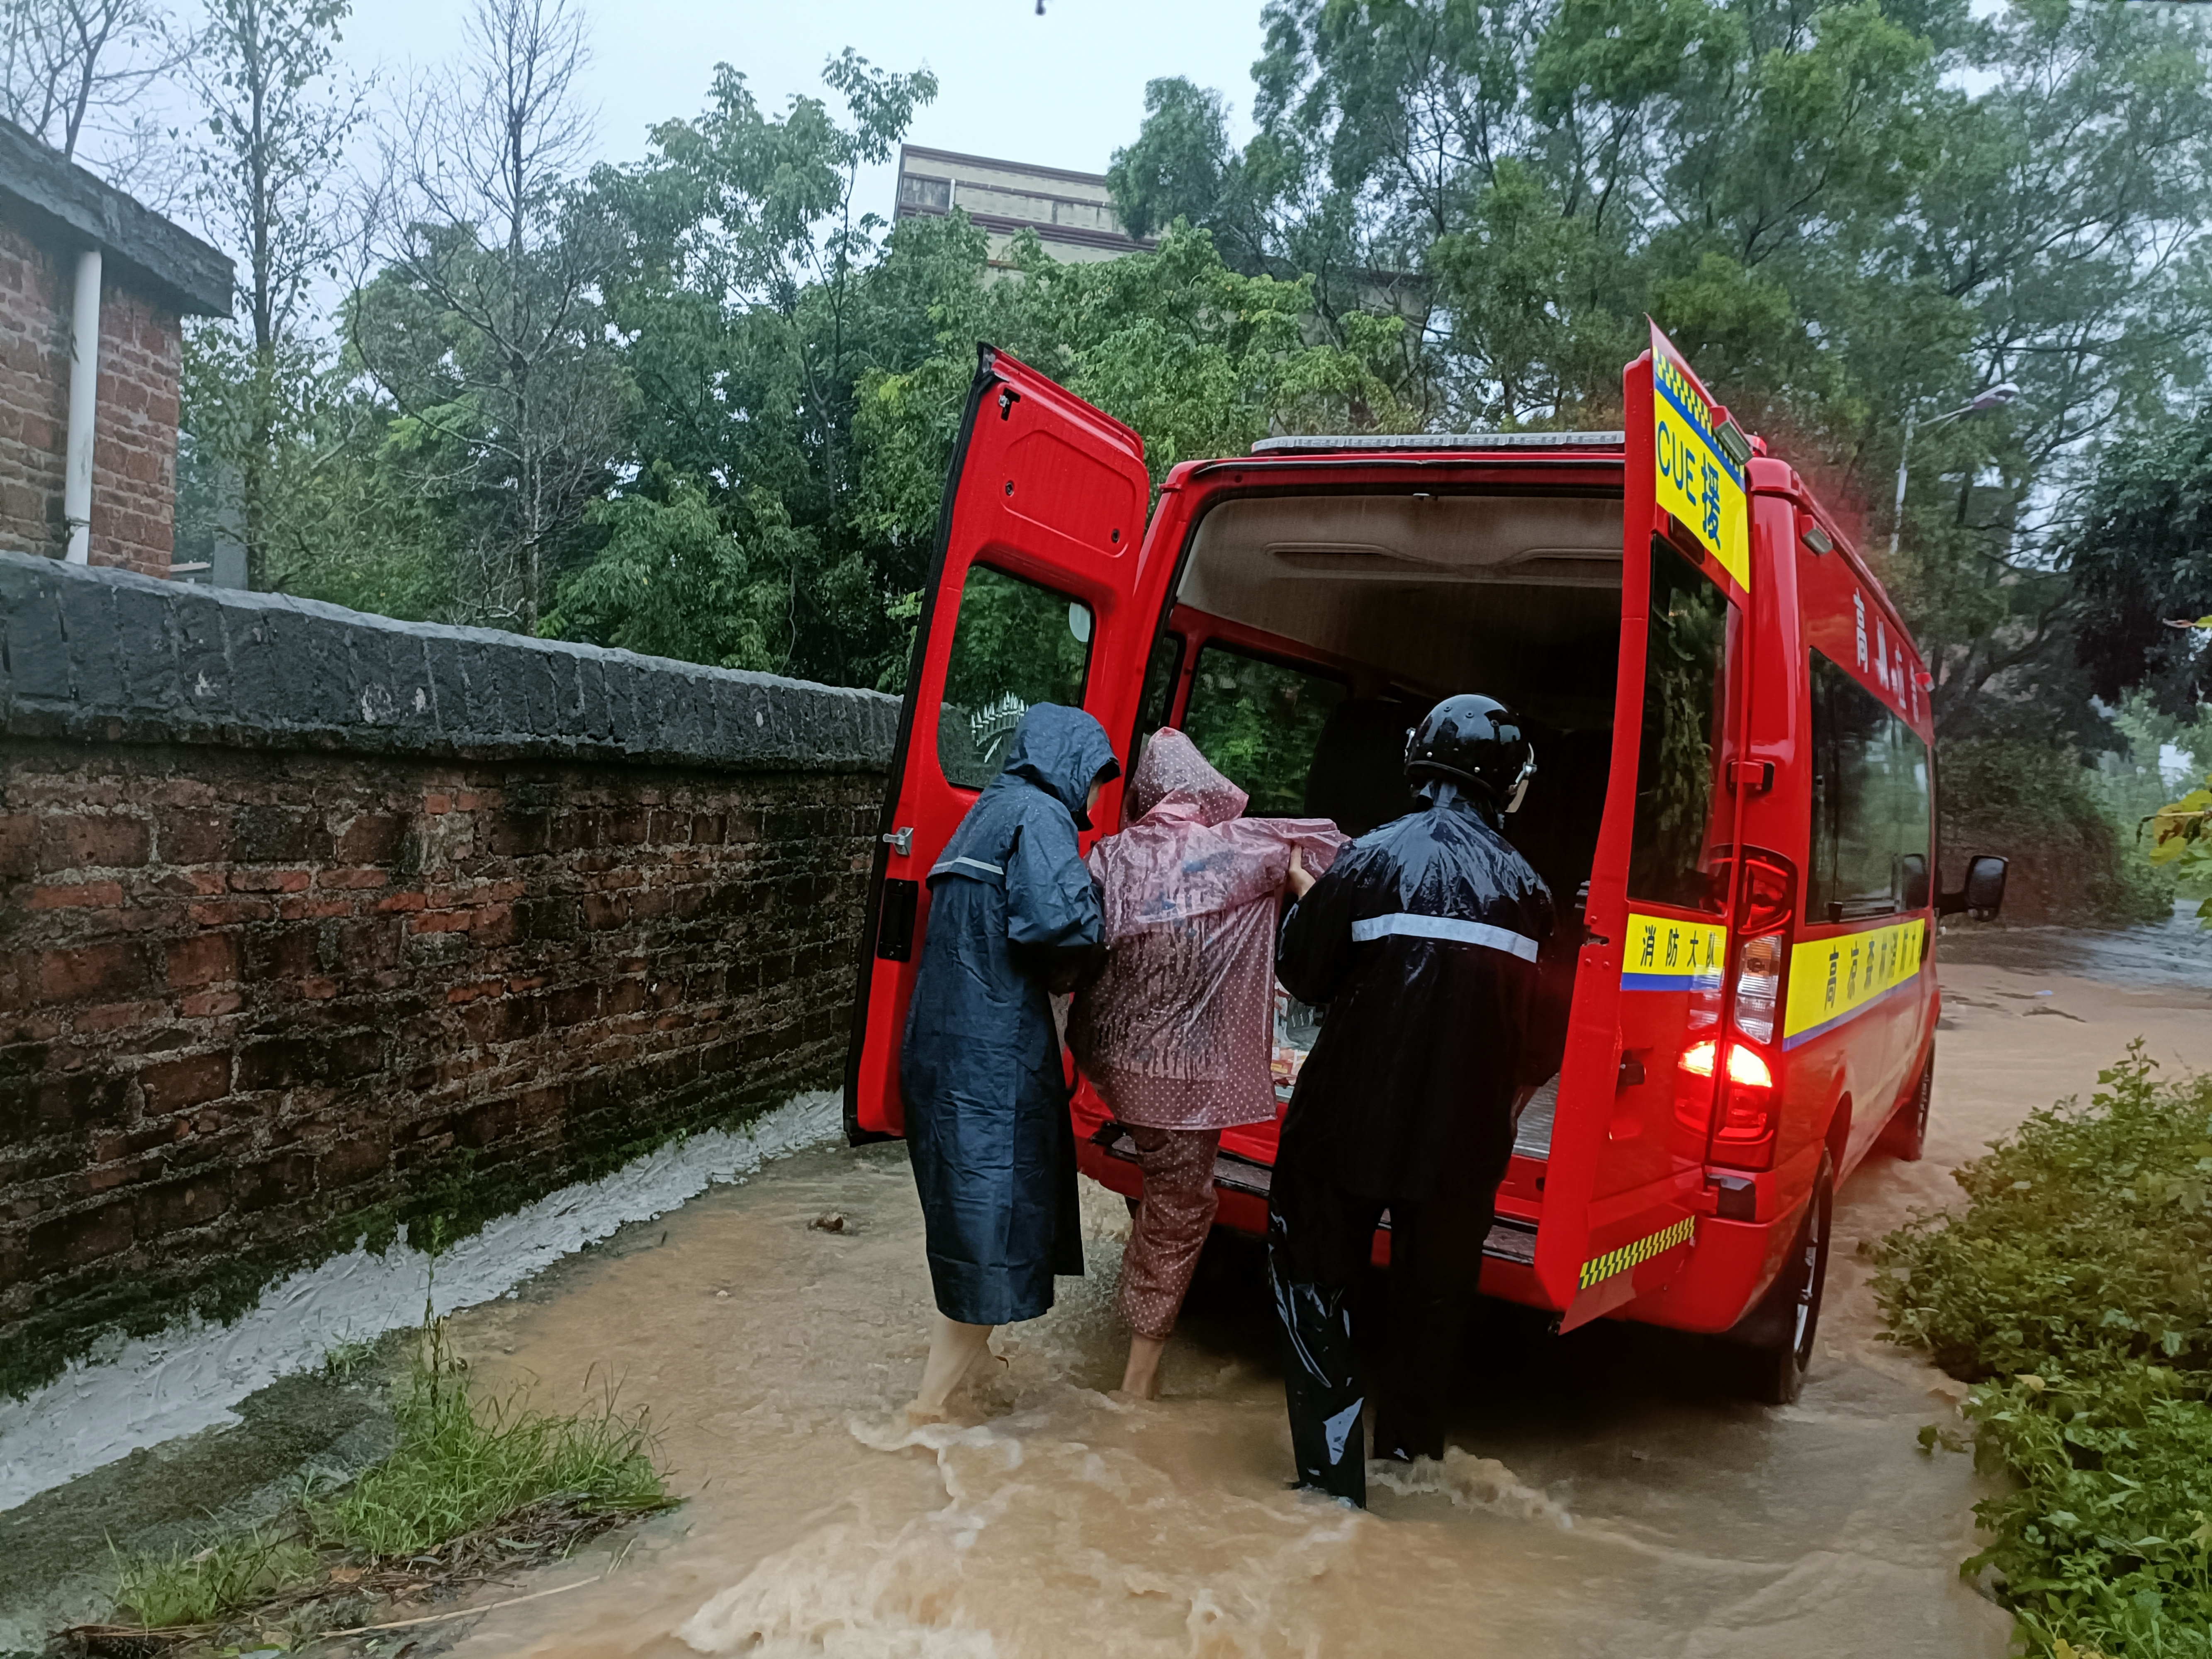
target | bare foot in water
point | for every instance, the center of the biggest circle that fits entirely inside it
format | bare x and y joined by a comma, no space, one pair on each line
918,1415
1140,1378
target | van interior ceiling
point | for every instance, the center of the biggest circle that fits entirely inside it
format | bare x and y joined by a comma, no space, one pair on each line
1405,598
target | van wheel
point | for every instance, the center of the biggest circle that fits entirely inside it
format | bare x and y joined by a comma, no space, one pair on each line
1773,1343
1905,1136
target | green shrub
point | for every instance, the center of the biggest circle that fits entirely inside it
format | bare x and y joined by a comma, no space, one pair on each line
2072,862
2073,1291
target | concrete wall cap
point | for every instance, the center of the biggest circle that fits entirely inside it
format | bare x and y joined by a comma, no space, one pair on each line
57,200
102,654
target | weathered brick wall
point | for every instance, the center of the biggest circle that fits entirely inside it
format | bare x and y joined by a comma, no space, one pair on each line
134,445
134,448
313,921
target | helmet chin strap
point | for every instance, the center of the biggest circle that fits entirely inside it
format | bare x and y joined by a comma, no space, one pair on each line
1519,793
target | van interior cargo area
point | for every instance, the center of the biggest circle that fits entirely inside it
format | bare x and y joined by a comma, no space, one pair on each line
1413,597
1407,598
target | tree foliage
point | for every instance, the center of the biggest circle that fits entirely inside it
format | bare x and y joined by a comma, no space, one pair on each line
703,404
1846,212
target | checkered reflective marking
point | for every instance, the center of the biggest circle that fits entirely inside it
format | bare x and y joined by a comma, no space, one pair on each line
1598,1269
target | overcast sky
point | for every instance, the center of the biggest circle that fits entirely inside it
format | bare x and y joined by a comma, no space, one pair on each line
1064,90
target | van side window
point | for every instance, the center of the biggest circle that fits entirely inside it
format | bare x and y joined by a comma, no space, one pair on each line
1871,803
1692,642
1259,723
1015,643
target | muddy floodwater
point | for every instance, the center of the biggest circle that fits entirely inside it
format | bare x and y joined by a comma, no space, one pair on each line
1601,1498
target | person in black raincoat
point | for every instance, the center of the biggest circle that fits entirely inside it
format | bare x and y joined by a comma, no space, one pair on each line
1012,917
1421,941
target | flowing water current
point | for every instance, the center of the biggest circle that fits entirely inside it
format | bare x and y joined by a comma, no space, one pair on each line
1604,1495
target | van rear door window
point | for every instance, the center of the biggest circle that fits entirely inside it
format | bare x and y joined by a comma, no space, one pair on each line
1015,643
1158,702
1871,803
1259,723
1687,653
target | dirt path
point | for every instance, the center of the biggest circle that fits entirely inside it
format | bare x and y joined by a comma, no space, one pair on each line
1606,1503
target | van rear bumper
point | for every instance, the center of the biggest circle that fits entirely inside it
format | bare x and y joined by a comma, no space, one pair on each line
1731,1265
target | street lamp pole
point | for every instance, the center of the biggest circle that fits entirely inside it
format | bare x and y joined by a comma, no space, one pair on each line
1980,403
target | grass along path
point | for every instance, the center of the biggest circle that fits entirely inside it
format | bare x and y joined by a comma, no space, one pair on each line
475,1488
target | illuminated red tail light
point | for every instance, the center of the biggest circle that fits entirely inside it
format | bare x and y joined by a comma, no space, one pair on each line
1766,908
1747,1067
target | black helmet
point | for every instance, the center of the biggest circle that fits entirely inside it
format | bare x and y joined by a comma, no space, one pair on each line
1474,740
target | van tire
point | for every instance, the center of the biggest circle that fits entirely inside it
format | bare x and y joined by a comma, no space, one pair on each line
1905,1135
1772,1344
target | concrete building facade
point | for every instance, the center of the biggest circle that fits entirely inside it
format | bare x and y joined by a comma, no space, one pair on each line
1072,213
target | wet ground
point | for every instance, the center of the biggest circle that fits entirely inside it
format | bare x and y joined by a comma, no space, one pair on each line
2176,953
1603,1498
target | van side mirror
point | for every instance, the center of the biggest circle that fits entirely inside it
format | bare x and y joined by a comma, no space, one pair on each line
1982,893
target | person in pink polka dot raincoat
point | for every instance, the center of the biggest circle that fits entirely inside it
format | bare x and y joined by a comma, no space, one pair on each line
1175,1031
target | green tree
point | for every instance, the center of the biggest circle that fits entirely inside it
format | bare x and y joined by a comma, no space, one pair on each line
483,328
746,289
1848,213
275,124
2141,560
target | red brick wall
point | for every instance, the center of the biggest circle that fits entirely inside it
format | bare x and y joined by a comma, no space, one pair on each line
135,430
250,1001
134,447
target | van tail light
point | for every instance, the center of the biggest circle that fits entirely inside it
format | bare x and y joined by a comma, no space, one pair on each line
1758,965
1744,1125
1747,1067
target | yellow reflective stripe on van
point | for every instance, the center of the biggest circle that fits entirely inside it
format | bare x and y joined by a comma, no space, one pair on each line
1601,1268
1665,953
1835,979
1696,482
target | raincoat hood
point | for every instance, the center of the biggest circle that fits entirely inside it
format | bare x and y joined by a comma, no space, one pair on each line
1063,751
1172,781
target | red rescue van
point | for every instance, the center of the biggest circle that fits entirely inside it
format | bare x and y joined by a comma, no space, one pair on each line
1734,804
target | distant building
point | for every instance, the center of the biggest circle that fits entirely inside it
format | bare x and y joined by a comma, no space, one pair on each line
1072,213
89,439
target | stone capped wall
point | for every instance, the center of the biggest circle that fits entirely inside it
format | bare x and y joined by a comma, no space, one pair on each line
134,450
311,922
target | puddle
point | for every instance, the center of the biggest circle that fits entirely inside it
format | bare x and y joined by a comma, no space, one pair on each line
139,1393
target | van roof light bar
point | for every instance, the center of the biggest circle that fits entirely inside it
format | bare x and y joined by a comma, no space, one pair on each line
1444,440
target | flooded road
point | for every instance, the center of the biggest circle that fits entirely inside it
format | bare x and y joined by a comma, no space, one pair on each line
1601,1498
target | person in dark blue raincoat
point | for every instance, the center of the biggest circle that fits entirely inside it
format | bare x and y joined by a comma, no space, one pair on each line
1013,917
1422,942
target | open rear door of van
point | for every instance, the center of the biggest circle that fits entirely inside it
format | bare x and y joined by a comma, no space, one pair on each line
1625,1175
1032,598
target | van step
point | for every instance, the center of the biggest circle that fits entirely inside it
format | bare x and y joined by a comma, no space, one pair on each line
1231,1169
1532,1136
1509,1240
